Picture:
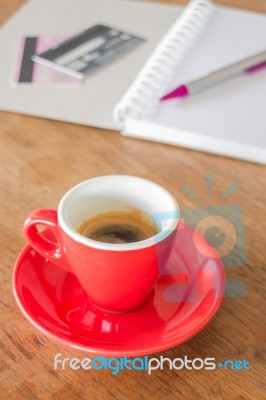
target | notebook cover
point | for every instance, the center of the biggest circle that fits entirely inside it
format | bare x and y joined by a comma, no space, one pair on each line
91,103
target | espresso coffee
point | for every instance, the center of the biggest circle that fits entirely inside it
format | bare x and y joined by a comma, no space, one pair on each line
119,227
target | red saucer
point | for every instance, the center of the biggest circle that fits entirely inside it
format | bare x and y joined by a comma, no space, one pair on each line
183,302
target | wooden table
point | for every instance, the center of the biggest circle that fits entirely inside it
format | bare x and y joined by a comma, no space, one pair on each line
40,160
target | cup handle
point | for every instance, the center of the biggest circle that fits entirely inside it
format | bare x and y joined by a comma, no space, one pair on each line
51,249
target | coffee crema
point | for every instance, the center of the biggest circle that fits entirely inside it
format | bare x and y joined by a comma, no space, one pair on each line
126,226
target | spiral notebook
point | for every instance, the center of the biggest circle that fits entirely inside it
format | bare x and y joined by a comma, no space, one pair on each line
179,44
228,119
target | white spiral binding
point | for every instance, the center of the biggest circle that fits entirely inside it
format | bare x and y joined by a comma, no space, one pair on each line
164,62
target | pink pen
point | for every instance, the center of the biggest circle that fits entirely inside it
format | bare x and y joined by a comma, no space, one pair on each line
249,65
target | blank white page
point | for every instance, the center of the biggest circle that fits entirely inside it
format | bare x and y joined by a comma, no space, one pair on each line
232,113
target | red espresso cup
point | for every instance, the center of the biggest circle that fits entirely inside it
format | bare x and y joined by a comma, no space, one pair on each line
116,277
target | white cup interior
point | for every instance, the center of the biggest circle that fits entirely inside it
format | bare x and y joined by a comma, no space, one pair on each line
116,193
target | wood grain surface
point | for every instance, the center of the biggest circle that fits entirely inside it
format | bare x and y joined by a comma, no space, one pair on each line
40,160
